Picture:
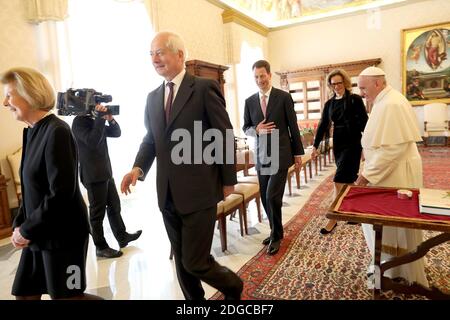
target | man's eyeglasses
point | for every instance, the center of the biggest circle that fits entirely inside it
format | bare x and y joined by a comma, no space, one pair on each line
334,84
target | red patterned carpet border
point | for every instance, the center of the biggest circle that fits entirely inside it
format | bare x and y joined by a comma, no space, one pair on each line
311,266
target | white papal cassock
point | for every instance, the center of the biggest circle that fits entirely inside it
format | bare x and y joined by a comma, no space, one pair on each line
392,160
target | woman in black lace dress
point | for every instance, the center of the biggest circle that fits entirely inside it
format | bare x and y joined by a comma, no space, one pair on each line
345,112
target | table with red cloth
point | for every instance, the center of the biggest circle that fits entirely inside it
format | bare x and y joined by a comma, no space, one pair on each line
381,207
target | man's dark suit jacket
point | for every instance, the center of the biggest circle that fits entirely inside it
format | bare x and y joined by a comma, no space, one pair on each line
193,187
280,110
91,134
53,213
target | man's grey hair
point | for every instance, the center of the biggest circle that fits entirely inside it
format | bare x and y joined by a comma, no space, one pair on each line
174,42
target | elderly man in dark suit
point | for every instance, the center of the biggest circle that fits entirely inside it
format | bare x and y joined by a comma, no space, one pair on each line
90,132
269,115
188,190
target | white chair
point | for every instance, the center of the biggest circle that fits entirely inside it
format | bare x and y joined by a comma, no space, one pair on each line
436,122
9,167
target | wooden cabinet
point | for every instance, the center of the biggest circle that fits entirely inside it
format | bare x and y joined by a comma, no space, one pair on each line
207,70
309,89
5,213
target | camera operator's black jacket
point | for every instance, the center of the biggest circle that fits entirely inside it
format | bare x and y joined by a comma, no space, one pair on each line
91,134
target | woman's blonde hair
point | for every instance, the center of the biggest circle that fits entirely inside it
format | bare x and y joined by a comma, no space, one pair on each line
345,78
32,86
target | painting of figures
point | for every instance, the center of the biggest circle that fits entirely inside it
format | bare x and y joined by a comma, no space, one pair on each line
426,64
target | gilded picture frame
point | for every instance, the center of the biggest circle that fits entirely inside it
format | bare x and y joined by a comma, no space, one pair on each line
426,64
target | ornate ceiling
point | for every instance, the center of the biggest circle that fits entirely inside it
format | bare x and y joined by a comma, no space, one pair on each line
281,13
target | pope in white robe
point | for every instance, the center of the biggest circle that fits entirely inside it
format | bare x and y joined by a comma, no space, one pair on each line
391,160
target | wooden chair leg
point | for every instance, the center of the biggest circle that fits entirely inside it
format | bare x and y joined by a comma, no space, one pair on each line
297,178
310,169
289,184
243,219
304,171
241,223
223,232
247,162
315,166
232,215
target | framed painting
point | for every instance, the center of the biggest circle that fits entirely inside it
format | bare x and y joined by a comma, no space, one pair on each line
426,64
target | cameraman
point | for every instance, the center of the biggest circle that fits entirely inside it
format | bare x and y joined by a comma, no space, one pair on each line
90,132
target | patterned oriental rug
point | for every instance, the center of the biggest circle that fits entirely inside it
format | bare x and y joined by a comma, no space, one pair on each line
314,267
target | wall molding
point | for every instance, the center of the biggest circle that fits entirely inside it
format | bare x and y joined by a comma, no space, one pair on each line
231,15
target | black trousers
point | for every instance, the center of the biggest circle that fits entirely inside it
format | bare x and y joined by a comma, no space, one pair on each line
271,188
191,237
103,197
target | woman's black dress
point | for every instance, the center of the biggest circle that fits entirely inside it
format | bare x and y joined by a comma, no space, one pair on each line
348,116
52,215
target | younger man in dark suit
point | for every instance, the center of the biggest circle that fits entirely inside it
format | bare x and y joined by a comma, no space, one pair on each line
90,132
270,116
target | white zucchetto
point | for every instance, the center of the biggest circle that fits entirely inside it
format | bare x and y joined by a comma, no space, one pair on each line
372,72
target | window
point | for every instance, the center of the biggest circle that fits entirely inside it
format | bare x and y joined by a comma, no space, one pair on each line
106,47
309,89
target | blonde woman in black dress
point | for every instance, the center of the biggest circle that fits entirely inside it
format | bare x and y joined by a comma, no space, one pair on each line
51,227
345,112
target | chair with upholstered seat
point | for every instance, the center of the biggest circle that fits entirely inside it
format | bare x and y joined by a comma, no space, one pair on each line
306,160
291,171
9,167
436,122
248,179
224,208
249,191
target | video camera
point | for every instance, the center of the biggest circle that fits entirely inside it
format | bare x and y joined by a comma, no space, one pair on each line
83,102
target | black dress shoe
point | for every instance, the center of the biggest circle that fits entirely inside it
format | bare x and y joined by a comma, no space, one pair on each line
128,238
266,241
325,231
108,253
352,223
273,247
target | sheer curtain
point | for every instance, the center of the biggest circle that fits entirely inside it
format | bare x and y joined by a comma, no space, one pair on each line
104,45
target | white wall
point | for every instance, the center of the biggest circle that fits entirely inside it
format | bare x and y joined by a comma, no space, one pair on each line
199,23
18,47
357,37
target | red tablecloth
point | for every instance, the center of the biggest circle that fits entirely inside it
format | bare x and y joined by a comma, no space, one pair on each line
384,202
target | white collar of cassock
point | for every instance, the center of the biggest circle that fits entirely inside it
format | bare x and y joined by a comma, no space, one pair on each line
381,95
